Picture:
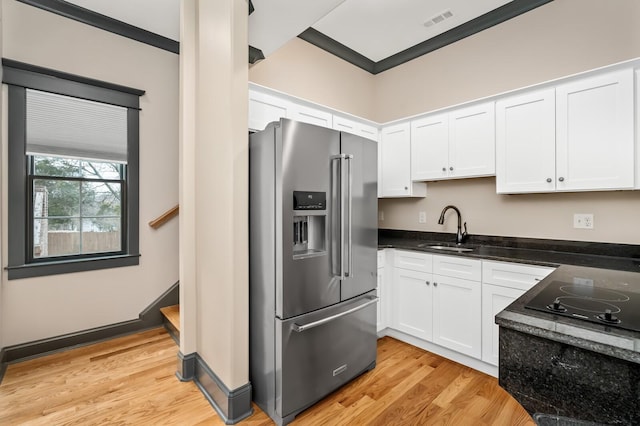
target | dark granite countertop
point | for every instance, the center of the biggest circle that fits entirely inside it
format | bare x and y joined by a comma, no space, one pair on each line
600,338
606,264
622,257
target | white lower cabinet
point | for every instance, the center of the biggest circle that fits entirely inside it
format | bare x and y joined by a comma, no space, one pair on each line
412,303
437,308
448,304
456,314
502,284
494,300
382,293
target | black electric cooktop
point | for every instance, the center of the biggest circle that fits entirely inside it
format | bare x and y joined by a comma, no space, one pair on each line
612,307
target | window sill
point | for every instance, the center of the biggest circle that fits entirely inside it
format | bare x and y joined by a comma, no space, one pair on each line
41,269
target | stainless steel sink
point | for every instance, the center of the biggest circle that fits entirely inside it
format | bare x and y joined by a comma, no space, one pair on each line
445,247
450,248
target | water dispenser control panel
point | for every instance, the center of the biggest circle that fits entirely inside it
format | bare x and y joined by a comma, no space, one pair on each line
305,200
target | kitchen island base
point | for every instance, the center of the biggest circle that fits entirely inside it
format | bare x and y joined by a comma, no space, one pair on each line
559,379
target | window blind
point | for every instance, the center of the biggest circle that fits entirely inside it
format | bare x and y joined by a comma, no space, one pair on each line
64,126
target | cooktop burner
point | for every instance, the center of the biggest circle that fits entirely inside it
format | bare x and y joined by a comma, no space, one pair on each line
599,305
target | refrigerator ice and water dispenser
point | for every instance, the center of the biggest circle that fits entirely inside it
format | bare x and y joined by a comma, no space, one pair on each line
310,213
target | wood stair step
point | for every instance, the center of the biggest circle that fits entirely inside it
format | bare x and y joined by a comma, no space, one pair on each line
172,321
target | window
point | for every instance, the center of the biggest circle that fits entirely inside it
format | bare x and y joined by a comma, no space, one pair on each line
73,172
76,207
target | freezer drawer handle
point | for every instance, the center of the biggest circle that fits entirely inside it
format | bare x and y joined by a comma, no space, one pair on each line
303,327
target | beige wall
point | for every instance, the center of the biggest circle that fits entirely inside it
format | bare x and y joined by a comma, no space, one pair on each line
214,186
303,70
37,308
560,38
523,215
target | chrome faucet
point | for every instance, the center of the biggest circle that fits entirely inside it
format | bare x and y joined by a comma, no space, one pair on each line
460,236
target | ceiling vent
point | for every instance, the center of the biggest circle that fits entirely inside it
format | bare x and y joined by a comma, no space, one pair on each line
441,17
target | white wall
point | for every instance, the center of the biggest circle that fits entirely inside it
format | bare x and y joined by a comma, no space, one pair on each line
37,308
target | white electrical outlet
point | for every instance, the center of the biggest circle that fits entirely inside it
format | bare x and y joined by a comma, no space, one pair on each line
381,215
422,217
583,220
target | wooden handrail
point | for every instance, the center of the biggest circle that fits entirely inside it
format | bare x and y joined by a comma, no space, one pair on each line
165,217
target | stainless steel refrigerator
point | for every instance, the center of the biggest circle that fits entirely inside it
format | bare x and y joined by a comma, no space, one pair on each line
313,239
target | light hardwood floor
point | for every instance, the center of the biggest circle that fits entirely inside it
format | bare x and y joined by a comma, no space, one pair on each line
131,380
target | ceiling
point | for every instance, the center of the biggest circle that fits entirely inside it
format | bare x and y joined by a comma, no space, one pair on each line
373,34
377,29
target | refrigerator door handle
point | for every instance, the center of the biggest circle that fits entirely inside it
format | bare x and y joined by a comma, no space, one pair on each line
340,198
300,328
349,271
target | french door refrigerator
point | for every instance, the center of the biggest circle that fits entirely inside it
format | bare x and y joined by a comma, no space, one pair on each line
313,239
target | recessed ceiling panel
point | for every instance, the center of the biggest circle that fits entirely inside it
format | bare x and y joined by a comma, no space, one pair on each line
158,16
274,22
378,29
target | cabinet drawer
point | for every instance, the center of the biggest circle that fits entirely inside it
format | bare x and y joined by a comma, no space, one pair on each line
457,267
513,275
412,260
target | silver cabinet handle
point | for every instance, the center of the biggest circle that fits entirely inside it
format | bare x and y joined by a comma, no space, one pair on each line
561,179
549,180
451,168
435,284
444,169
406,188
427,282
300,328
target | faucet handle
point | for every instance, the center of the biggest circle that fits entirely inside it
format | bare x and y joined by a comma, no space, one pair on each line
465,234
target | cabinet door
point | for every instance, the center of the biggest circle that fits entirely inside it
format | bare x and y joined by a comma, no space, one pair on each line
413,260
263,109
526,143
595,146
396,160
456,315
354,127
412,301
494,300
381,323
430,147
457,267
311,116
513,275
472,141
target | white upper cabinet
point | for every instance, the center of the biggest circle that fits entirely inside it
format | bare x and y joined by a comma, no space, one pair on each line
265,108
309,115
355,127
457,144
526,142
594,131
578,136
430,147
472,142
395,164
